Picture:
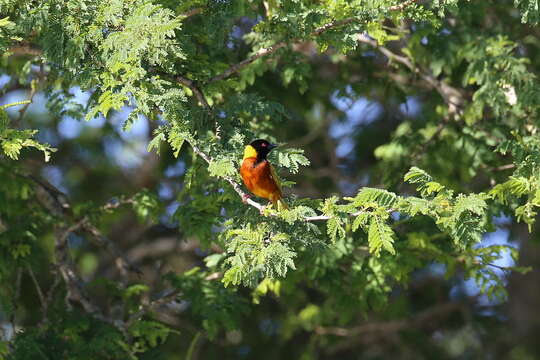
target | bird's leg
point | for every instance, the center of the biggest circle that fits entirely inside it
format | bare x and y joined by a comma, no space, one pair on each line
245,198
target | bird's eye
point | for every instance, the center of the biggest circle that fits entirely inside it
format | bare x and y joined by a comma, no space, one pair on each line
263,144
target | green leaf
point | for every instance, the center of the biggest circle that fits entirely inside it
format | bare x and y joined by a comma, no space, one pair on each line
335,229
156,141
380,236
222,167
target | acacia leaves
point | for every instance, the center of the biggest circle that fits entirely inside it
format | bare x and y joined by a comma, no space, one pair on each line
13,141
268,249
257,254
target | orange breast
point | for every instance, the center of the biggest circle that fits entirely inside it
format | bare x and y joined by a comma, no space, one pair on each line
257,177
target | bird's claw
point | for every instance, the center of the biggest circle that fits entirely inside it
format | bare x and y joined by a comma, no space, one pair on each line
245,198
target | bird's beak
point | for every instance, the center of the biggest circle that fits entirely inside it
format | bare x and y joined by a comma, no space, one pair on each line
272,146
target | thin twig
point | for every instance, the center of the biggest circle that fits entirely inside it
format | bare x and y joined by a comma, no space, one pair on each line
230,180
200,96
50,294
123,263
192,12
401,6
242,64
16,298
25,107
198,93
167,297
65,267
62,203
504,167
423,147
38,288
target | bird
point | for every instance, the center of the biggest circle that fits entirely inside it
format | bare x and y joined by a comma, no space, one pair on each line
259,175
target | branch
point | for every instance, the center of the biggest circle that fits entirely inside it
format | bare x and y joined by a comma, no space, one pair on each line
420,319
192,12
167,297
281,44
21,50
38,288
383,330
198,93
401,6
423,147
15,300
200,96
503,167
452,96
242,64
57,202
65,267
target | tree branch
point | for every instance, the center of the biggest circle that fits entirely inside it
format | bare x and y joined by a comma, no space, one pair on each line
503,167
57,202
38,288
24,49
198,93
401,6
452,96
192,12
72,281
202,100
381,330
391,326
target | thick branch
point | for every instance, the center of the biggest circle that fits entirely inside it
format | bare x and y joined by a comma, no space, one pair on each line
24,49
422,318
381,330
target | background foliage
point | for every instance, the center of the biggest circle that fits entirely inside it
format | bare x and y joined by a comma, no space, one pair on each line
410,160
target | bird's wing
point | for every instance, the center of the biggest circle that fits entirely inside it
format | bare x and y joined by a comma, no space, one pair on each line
274,176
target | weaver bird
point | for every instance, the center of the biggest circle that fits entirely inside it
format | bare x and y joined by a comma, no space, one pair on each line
259,175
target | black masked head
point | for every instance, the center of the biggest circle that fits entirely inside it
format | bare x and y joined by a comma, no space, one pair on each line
262,147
